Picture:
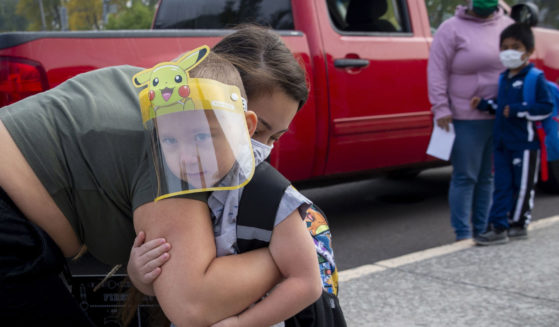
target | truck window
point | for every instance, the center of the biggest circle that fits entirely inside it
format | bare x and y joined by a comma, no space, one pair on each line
379,16
221,14
440,10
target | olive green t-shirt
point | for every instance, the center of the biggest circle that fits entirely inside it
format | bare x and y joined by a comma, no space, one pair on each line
86,143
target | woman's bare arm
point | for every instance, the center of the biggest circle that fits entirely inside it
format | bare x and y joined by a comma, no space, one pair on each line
196,288
28,193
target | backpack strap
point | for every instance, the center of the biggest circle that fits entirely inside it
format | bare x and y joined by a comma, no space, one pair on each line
529,96
529,88
258,207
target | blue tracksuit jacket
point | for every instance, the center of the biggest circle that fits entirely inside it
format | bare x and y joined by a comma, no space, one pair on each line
518,131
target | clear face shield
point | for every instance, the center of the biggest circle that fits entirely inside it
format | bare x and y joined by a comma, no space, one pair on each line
200,141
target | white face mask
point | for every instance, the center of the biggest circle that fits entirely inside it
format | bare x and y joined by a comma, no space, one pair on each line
511,58
261,150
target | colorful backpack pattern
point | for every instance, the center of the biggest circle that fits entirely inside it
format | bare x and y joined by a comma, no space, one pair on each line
320,231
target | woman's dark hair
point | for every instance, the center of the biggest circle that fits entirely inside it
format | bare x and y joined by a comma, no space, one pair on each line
521,32
265,62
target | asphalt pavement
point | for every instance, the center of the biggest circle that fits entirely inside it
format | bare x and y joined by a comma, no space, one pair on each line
460,284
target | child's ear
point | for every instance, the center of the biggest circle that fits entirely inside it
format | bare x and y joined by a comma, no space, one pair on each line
252,120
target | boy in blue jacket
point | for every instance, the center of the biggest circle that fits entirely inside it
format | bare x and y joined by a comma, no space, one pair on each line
516,145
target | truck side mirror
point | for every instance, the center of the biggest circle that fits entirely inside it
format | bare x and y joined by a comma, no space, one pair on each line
526,13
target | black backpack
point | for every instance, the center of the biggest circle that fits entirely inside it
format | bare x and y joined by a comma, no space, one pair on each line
255,222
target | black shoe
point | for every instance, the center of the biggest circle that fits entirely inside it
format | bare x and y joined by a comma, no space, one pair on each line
518,233
492,237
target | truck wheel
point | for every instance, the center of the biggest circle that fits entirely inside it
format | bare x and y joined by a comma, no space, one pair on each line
552,184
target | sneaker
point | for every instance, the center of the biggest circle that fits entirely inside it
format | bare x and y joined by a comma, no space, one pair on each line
518,233
492,237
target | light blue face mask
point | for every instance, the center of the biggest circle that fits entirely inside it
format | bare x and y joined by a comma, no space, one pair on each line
261,151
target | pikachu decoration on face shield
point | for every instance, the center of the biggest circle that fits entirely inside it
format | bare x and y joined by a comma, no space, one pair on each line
167,85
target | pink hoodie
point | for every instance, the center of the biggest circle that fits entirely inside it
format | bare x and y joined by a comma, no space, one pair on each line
464,62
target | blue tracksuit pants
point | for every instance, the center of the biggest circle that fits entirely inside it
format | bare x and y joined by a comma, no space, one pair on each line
516,173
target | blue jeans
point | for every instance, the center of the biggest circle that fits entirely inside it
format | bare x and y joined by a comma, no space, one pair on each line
471,184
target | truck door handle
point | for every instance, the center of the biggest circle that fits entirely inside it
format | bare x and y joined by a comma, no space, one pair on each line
346,62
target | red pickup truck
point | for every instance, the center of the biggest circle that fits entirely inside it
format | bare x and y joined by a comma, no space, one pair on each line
368,112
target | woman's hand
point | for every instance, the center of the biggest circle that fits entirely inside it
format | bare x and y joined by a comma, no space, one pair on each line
228,322
444,122
146,260
475,102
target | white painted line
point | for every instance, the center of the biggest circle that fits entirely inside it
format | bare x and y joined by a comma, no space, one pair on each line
360,271
426,254
542,223
357,272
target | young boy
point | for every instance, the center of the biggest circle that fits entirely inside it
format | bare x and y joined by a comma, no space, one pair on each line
201,148
516,144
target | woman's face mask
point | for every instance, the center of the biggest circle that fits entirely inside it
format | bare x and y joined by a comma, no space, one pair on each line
512,58
483,8
261,150
484,12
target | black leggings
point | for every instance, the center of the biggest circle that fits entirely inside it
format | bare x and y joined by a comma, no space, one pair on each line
31,291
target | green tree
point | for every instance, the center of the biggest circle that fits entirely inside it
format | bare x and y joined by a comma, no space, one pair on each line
85,14
30,10
9,20
139,16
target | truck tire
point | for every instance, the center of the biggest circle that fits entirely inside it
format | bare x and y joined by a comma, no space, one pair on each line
552,184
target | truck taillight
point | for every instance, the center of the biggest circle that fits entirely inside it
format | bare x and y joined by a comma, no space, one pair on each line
20,78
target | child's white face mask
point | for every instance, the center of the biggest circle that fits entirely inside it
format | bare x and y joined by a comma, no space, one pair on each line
511,58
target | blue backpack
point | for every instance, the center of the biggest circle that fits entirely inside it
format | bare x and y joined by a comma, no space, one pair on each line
550,125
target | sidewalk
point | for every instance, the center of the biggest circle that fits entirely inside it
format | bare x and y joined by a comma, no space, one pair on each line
515,284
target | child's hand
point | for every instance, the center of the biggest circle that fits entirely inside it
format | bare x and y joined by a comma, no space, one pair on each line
228,322
474,102
506,111
146,260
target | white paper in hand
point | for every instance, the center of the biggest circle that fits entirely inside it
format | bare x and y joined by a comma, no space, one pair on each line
440,145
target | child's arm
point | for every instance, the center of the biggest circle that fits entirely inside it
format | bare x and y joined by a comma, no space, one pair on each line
293,251
146,260
539,110
484,105
196,288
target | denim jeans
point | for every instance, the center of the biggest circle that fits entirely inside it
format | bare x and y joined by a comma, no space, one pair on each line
471,184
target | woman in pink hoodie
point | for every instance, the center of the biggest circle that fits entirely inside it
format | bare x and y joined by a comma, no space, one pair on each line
464,62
